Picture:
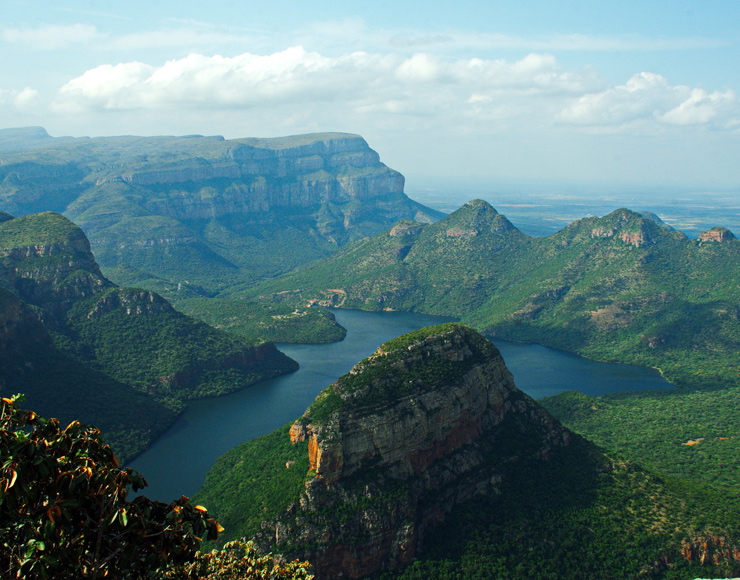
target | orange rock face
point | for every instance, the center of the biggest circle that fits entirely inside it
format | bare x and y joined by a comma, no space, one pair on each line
377,460
717,234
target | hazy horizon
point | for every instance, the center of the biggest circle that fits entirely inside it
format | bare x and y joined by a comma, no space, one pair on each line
591,92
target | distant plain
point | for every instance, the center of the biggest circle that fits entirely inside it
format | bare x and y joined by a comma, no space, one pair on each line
541,209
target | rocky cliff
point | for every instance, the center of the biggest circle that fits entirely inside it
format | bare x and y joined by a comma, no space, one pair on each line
205,208
430,420
81,347
46,260
716,234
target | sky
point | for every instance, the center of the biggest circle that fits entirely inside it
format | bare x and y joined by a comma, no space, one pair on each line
625,93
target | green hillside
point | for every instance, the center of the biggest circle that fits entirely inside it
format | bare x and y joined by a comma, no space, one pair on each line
120,358
257,321
573,511
197,215
61,386
618,288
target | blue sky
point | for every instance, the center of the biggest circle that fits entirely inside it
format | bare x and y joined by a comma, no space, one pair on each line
626,93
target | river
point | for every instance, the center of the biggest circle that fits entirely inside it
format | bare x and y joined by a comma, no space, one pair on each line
176,464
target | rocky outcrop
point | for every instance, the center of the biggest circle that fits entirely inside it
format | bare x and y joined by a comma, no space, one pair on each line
432,414
716,234
259,175
54,272
131,301
710,549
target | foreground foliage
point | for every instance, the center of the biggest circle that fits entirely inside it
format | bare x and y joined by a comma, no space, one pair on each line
238,561
64,511
64,514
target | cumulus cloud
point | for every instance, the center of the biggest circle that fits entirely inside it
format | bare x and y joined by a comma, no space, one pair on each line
20,99
650,98
531,91
389,82
52,36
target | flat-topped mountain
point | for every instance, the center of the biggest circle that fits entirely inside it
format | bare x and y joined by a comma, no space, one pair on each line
386,452
426,461
122,358
202,213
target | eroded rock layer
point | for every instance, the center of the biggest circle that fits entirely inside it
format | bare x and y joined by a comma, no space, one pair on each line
430,420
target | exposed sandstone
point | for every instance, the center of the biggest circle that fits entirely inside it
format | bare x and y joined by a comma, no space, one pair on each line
716,234
420,417
132,302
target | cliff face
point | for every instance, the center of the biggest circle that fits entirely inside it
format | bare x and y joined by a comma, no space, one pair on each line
716,234
247,178
79,346
203,209
46,260
427,422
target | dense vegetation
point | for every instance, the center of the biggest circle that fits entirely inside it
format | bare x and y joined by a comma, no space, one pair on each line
256,321
257,480
692,435
36,230
64,514
583,515
120,358
194,358
58,385
389,374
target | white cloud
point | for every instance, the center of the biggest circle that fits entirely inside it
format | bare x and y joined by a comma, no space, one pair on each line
649,98
300,88
702,108
363,81
52,36
26,98
19,99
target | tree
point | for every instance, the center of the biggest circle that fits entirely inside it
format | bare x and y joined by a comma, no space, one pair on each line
64,513
238,561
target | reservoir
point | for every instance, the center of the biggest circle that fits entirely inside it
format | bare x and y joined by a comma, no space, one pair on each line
176,464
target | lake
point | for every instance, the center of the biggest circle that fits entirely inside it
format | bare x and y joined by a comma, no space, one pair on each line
176,464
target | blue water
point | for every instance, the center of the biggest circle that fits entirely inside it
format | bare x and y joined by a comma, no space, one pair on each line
177,462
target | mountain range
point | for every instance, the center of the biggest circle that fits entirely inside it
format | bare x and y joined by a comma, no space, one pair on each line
620,288
424,460
190,216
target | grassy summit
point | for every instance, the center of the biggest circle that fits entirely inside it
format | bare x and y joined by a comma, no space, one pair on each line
38,229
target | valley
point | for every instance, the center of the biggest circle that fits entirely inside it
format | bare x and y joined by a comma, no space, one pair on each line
140,277
176,464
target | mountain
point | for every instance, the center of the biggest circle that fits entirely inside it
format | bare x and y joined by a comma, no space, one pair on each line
122,358
426,461
619,288
193,215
